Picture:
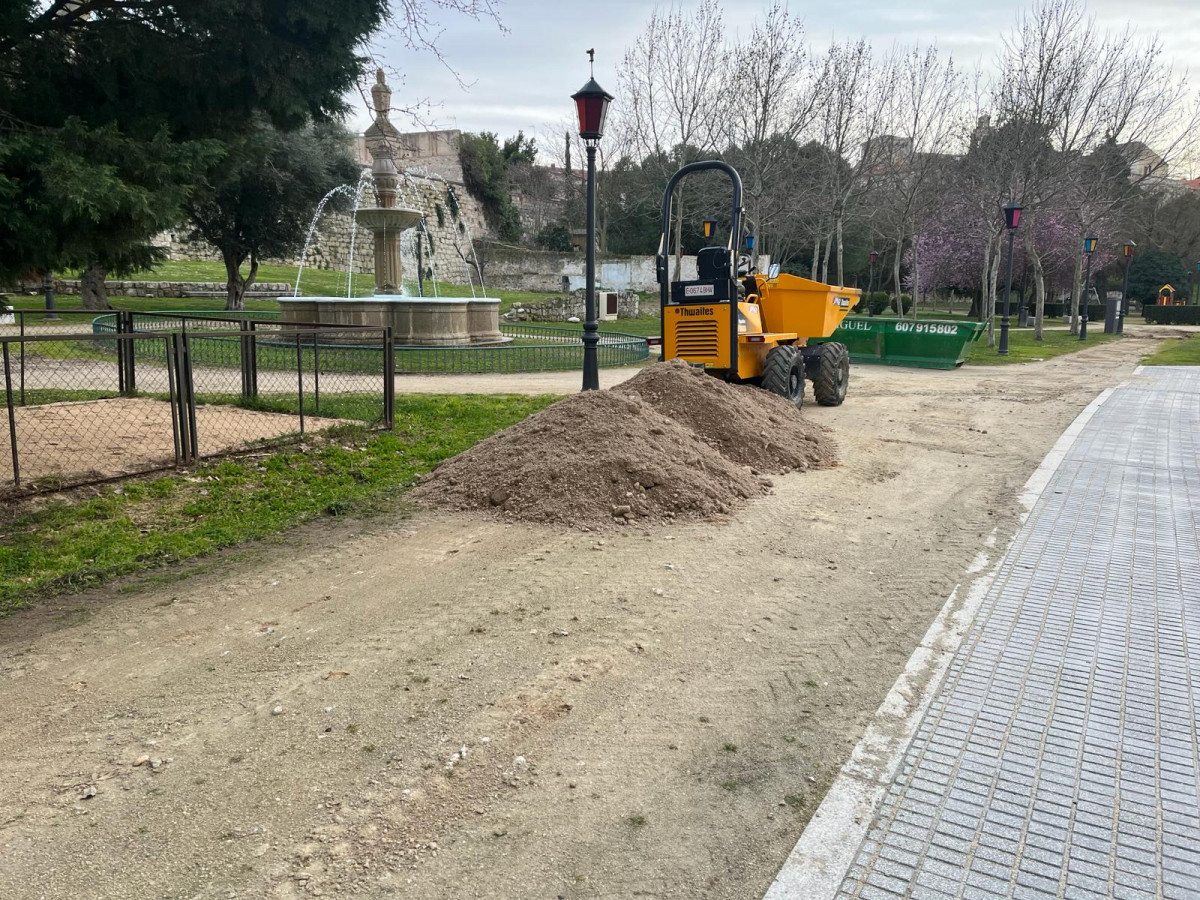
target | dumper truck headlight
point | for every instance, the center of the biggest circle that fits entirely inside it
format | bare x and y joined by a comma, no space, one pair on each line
743,323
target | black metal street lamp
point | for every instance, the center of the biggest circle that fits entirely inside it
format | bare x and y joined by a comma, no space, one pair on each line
1012,219
591,104
1128,249
871,257
1089,247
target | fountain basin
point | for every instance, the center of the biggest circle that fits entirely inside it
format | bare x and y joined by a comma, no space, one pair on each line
415,321
387,218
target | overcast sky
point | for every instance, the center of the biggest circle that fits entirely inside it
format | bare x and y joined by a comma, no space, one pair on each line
522,78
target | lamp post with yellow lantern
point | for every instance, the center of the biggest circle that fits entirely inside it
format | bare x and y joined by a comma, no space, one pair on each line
1128,249
1089,247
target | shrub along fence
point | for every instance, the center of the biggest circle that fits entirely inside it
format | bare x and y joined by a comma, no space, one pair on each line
1171,315
85,407
1096,311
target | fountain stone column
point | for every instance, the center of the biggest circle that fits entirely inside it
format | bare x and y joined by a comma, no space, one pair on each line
386,222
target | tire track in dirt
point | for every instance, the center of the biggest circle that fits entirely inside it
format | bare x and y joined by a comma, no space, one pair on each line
686,641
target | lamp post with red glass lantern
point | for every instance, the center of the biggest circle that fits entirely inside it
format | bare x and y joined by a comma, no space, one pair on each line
591,104
1012,219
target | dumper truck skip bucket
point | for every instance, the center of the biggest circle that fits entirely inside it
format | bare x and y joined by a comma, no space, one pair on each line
925,344
808,308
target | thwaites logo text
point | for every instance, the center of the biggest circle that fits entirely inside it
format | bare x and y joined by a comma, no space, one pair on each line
695,310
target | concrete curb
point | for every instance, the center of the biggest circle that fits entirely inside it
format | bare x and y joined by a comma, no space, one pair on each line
817,865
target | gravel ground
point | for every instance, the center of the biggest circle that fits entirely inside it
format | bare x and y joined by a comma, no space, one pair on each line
447,705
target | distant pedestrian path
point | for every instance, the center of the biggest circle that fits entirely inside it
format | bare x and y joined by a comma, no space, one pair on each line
1060,757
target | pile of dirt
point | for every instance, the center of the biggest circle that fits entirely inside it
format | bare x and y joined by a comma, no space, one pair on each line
589,459
671,443
743,423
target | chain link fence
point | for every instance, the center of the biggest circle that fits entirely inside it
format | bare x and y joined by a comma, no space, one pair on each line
82,407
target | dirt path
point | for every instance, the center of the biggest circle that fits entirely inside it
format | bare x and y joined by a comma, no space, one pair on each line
104,438
655,715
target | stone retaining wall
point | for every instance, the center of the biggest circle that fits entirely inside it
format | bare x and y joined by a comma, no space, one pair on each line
258,290
518,269
572,307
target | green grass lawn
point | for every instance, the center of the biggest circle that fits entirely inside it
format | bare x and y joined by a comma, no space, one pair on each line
324,282
644,326
69,302
1182,352
313,283
147,523
1023,348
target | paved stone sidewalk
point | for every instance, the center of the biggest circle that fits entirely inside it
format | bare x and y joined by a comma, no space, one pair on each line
1060,757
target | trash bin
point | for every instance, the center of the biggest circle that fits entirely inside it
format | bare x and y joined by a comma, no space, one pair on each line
925,343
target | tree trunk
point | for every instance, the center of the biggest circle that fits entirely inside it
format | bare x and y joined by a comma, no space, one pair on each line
816,255
93,293
916,277
679,240
896,278
983,279
235,284
1039,284
825,258
993,281
757,237
1076,288
841,272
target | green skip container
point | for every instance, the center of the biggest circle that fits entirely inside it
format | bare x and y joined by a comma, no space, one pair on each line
925,343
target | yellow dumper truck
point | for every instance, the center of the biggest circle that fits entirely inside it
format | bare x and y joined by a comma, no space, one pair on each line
748,327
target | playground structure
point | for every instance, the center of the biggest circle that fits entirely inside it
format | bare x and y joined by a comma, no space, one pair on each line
1168,296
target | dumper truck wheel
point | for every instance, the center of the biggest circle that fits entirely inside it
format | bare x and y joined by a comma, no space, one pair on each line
832,374
783,374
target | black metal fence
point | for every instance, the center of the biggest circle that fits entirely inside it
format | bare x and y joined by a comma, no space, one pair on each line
83,407
533,348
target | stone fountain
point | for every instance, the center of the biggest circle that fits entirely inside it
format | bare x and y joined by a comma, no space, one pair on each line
415,321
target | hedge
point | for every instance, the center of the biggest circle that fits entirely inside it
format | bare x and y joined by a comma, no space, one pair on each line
1172,315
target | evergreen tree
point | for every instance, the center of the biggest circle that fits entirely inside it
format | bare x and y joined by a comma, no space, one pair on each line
112,109
258,200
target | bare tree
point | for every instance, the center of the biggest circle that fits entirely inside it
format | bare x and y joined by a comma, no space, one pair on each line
670,88
772,95
855,93
1084,106
913,159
